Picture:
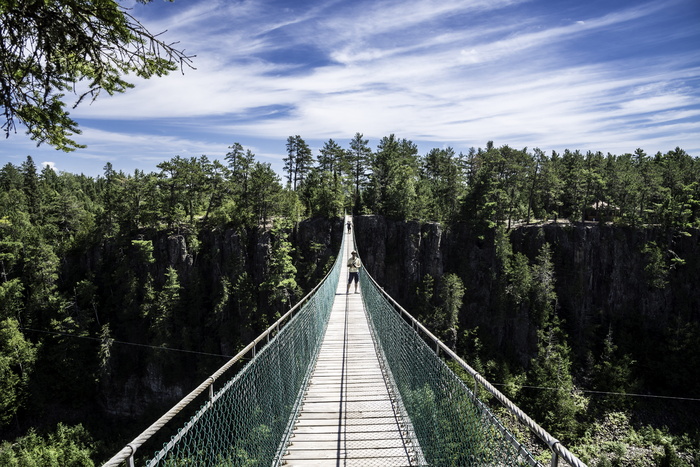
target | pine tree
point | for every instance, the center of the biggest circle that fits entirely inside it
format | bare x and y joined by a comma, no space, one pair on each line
298,162
165,307
30,186
450,293
332,158
359,164
612,373
551,400
572,174
392,188
17,359
442,174
265,191
281,286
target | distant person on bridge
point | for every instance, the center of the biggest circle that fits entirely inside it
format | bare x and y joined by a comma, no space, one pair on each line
354,266
349,226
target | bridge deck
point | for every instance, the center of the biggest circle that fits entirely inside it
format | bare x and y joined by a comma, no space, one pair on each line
347,417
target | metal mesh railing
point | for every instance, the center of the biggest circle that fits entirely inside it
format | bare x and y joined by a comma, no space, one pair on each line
451,426
246,423
443,415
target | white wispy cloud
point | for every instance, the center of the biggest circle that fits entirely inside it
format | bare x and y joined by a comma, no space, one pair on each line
460,72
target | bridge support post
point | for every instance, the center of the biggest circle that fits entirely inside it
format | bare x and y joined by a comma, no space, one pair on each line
130,459
555,460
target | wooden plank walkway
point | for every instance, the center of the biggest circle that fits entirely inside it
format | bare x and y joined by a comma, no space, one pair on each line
347,417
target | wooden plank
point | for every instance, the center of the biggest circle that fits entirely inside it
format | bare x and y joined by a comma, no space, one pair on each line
334,422
347,415
331,452
380,432
367,429
358,462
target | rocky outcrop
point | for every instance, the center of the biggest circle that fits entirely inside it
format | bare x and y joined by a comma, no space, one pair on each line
137,380
399,254
603,279
601,273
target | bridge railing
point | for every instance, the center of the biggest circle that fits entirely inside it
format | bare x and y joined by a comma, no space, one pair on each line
447,420
248,420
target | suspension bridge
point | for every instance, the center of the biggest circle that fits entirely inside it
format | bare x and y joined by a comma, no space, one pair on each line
344,379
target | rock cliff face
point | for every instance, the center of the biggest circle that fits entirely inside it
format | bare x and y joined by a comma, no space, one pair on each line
602,278
139,380
602,283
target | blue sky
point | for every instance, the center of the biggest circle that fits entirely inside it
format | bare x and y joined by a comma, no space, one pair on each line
606,76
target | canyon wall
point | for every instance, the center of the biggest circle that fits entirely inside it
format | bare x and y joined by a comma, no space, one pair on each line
605,282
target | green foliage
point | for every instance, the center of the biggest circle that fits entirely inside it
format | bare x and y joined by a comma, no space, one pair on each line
66,446
298,162
450,295
438,304
143,251
54,47
574,196
359,163
11,295
322,194
182,181
222,303
550,373
612,373
519,278
291,206
280,285
614,440
499,192
656,267
543,295
546,187
245,304
392,187
265,193
105,352
472,348
440,420
17,358
165,307
442,179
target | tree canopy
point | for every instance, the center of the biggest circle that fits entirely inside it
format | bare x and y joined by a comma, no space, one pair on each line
49,48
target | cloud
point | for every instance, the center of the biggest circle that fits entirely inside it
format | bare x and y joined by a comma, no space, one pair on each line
454,72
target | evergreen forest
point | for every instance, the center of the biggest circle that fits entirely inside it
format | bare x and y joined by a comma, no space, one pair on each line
120,293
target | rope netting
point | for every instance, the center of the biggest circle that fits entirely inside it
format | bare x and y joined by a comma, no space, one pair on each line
246,423
451,426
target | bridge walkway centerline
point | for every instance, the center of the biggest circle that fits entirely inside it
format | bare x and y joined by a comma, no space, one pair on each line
347,416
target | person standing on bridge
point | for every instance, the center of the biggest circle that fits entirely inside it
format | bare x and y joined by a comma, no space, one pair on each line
349,226
354,266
